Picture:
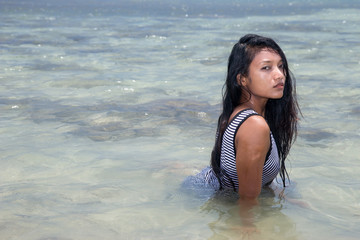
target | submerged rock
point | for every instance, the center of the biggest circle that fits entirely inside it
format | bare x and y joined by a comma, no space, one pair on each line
316,135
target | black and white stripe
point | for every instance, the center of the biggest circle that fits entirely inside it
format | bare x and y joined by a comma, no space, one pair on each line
228,155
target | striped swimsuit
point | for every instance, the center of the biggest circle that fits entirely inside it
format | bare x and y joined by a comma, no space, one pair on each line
229,177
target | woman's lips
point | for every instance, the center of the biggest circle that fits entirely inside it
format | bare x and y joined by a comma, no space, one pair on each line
279,85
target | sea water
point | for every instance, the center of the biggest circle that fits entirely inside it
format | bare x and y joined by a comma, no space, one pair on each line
107,106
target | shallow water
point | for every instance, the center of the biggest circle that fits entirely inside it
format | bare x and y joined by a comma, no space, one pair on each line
107,107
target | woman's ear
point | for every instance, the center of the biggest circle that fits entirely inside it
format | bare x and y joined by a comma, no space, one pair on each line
241,80
238,77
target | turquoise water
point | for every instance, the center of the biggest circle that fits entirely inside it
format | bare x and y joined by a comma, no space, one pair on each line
107,106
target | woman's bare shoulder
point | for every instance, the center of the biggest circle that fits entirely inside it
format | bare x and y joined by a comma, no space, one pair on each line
254,129
256,123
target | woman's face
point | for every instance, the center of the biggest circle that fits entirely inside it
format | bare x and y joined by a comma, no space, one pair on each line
266,78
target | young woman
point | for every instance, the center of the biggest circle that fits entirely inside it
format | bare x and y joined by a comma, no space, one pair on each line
258,123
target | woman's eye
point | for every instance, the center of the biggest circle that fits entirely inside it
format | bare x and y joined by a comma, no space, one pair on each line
281,66
265,68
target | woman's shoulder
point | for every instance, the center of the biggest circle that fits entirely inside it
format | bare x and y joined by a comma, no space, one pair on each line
254,132
255,124
249,122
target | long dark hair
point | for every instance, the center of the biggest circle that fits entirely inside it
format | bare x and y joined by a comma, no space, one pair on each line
281,114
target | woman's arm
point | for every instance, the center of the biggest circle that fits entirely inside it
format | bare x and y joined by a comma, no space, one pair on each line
252,142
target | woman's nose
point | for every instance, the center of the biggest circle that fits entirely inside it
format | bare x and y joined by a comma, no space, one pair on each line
278,73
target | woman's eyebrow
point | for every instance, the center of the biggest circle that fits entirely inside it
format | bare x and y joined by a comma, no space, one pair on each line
269,61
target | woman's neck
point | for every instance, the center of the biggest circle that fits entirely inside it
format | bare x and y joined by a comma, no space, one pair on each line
257,106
